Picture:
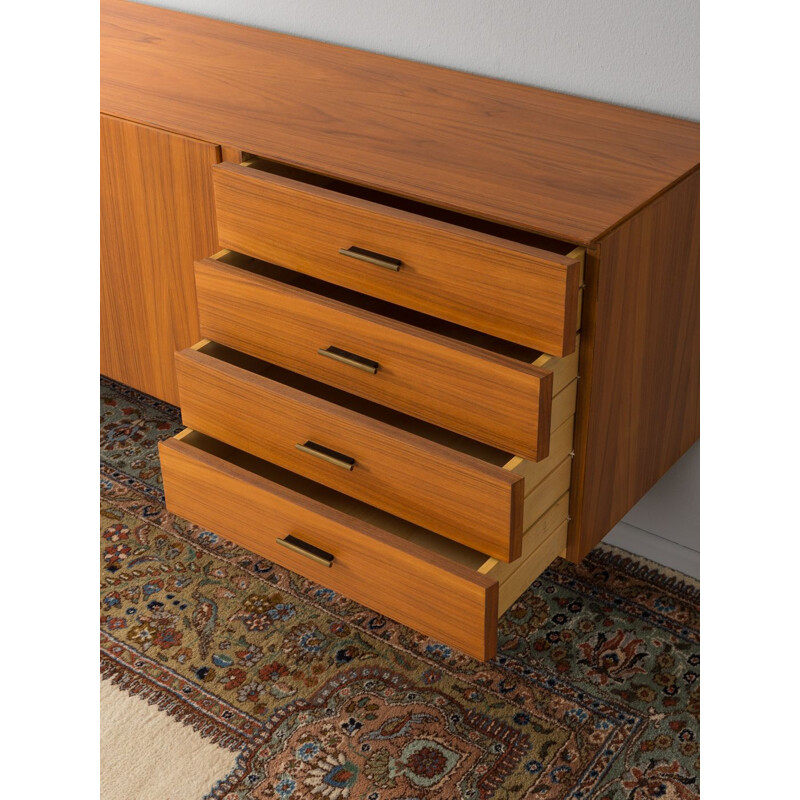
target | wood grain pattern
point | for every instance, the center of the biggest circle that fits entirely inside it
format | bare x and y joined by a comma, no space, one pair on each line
564,405
398,578
528,296
541,496
563,166
564,370
232,154
538,532
157,216
561,441
495,399
638,404
547,549
620,182
454,494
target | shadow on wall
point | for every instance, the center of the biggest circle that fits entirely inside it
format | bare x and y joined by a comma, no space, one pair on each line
665,524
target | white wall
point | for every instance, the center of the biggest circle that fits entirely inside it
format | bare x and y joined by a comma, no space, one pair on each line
640,53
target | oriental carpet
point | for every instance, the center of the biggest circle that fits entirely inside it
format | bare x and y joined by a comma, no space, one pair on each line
595,692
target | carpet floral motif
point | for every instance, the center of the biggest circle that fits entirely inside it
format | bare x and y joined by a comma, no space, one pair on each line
369,733
594,693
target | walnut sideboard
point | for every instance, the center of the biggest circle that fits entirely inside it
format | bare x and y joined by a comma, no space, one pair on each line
428,331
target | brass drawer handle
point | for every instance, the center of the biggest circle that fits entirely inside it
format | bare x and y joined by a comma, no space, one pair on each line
308,550
377,259
326,454
349,358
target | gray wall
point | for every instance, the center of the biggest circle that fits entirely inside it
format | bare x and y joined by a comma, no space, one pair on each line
640,53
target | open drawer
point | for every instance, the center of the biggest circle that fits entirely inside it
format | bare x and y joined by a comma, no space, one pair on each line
483,387
441,588
467,491
508,283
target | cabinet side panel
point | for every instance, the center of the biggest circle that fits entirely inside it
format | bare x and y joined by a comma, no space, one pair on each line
639,399
156,217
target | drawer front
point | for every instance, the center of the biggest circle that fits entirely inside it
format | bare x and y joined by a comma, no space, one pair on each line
395,577
459,496
514,291
495,399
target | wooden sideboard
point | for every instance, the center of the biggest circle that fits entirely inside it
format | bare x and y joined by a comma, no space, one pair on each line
428,330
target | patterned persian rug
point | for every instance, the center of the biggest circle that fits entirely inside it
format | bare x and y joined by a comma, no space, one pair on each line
595,692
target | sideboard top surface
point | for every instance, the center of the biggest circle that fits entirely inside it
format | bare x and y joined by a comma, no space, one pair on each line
563,166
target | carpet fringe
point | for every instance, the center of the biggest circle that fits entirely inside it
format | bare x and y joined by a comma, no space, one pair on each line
139,686
651,571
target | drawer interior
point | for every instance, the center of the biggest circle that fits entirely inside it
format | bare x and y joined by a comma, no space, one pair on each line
454,551
485,341
462,444
405,204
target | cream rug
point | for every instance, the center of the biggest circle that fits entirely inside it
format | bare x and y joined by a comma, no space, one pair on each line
145,753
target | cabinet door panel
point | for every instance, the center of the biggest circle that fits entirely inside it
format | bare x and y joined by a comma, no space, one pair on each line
156,218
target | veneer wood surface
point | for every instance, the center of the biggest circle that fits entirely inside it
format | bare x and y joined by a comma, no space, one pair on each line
157,212
638,405
559,165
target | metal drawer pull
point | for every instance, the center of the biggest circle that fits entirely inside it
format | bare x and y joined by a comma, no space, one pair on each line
326,454
349,358
377,259
308,550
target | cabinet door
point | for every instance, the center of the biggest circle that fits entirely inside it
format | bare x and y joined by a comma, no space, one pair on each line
156,217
